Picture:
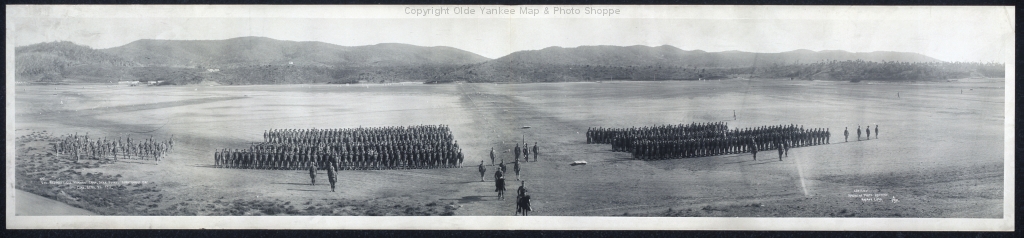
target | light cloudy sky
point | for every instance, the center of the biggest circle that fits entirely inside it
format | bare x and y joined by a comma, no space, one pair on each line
946,33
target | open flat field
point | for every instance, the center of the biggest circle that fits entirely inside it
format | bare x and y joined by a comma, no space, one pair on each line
939,152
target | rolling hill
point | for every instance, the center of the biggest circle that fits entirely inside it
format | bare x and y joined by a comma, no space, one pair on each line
54,61
260,60
263,51
592,63
669,55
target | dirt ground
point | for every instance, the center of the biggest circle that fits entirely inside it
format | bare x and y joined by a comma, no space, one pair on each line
939,152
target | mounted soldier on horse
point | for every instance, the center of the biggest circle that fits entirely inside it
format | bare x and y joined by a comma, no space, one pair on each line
522,200
499,184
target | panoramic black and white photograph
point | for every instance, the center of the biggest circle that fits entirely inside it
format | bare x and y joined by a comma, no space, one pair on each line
510,117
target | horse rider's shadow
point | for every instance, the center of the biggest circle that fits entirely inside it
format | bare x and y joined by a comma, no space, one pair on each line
134,162
306,190
768,161
737,162
468,199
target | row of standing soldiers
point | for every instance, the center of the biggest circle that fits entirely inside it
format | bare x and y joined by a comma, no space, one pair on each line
846,133
412,147
606,135
79,147
667,142
524,151
370,134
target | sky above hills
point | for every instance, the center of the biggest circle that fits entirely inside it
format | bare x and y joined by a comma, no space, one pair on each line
945,33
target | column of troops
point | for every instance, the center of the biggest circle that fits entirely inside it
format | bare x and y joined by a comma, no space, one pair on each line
607,135
81,147
704,139
411,147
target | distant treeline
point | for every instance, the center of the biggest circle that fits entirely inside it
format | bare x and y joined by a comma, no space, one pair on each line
519,73
882,71
56,61
293,74
832,70
288,74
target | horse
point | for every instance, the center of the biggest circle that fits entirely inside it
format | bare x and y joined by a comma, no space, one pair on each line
523,205
499,186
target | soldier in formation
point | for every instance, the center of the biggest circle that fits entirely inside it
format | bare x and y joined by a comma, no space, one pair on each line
312,175
82,147
536,153
332,176
846,134
517,150
482,170
705,139
779,146
515,168
526,152
411,147
858,133
828,136
607,135
785,147
752,145
868,131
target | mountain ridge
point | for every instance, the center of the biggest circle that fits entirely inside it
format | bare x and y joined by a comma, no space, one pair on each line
671,55
262,60
242,51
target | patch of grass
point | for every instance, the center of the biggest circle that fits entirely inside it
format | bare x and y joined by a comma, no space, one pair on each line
273,210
